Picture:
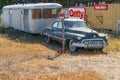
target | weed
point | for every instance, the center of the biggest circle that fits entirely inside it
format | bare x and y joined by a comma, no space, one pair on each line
23,45
115,56
0,45
17,39
114,44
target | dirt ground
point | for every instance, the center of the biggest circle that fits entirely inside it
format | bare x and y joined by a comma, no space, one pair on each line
18,63
25,56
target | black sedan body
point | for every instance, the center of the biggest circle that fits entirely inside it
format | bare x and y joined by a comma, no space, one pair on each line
76,33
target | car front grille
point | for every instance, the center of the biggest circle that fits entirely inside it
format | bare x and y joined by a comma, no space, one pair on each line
94,43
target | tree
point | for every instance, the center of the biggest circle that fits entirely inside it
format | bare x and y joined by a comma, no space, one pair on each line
5,2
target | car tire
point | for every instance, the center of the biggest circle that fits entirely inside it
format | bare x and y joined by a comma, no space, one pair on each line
71,47
47,39
100,50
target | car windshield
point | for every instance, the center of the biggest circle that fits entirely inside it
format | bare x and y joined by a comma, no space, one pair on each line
74,24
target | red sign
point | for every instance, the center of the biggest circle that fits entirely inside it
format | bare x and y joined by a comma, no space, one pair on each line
77,12
61,15
100,7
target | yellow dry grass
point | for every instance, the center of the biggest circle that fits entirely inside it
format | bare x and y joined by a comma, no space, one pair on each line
83,75
114,45
23,57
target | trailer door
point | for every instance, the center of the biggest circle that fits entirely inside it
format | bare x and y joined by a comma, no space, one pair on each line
26,20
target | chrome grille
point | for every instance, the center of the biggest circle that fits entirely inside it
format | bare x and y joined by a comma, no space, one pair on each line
94,43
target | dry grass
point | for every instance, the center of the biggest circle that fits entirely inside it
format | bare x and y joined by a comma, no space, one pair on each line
23,56
114,44
83,75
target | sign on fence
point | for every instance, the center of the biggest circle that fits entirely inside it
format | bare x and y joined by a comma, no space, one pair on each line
100,7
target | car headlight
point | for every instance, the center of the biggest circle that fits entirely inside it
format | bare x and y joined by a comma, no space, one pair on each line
78,37
106,37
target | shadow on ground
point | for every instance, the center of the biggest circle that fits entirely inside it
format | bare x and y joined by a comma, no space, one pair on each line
23,37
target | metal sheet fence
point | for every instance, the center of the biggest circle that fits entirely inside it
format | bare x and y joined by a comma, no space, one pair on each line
104,19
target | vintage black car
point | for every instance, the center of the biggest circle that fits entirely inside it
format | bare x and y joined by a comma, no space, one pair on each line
77,34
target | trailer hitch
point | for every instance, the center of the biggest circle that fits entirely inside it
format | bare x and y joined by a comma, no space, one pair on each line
59,52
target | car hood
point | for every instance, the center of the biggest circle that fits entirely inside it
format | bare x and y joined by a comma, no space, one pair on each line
84,30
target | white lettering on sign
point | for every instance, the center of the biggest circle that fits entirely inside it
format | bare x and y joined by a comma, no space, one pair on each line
77,12
101,7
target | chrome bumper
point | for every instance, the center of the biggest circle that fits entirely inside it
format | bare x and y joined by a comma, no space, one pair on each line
91,43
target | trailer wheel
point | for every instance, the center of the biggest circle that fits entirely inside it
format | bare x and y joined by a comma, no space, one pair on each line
47,39
71,47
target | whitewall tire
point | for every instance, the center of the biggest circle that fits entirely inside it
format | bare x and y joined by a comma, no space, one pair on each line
71,47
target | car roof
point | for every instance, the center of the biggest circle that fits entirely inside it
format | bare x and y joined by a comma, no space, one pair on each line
70,19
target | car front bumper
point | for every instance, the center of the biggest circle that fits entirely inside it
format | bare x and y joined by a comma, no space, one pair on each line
91,43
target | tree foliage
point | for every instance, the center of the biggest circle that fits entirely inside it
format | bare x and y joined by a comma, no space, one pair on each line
5,2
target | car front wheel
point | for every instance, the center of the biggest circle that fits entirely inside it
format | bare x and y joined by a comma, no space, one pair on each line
71,47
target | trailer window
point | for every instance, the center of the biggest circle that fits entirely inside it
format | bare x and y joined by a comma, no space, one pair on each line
10,11
50,13
36,13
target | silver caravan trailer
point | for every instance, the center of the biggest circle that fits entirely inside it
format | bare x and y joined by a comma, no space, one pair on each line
32,18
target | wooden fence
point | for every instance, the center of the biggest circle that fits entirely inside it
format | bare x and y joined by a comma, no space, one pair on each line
104,19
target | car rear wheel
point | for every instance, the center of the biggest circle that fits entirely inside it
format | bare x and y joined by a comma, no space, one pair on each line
47,39
71,47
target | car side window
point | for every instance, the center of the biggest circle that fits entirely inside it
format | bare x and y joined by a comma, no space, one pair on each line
55,25
60,25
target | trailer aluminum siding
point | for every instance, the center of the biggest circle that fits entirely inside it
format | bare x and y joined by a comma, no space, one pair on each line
20,17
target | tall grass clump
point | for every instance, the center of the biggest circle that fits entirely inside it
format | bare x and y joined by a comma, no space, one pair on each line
114,44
